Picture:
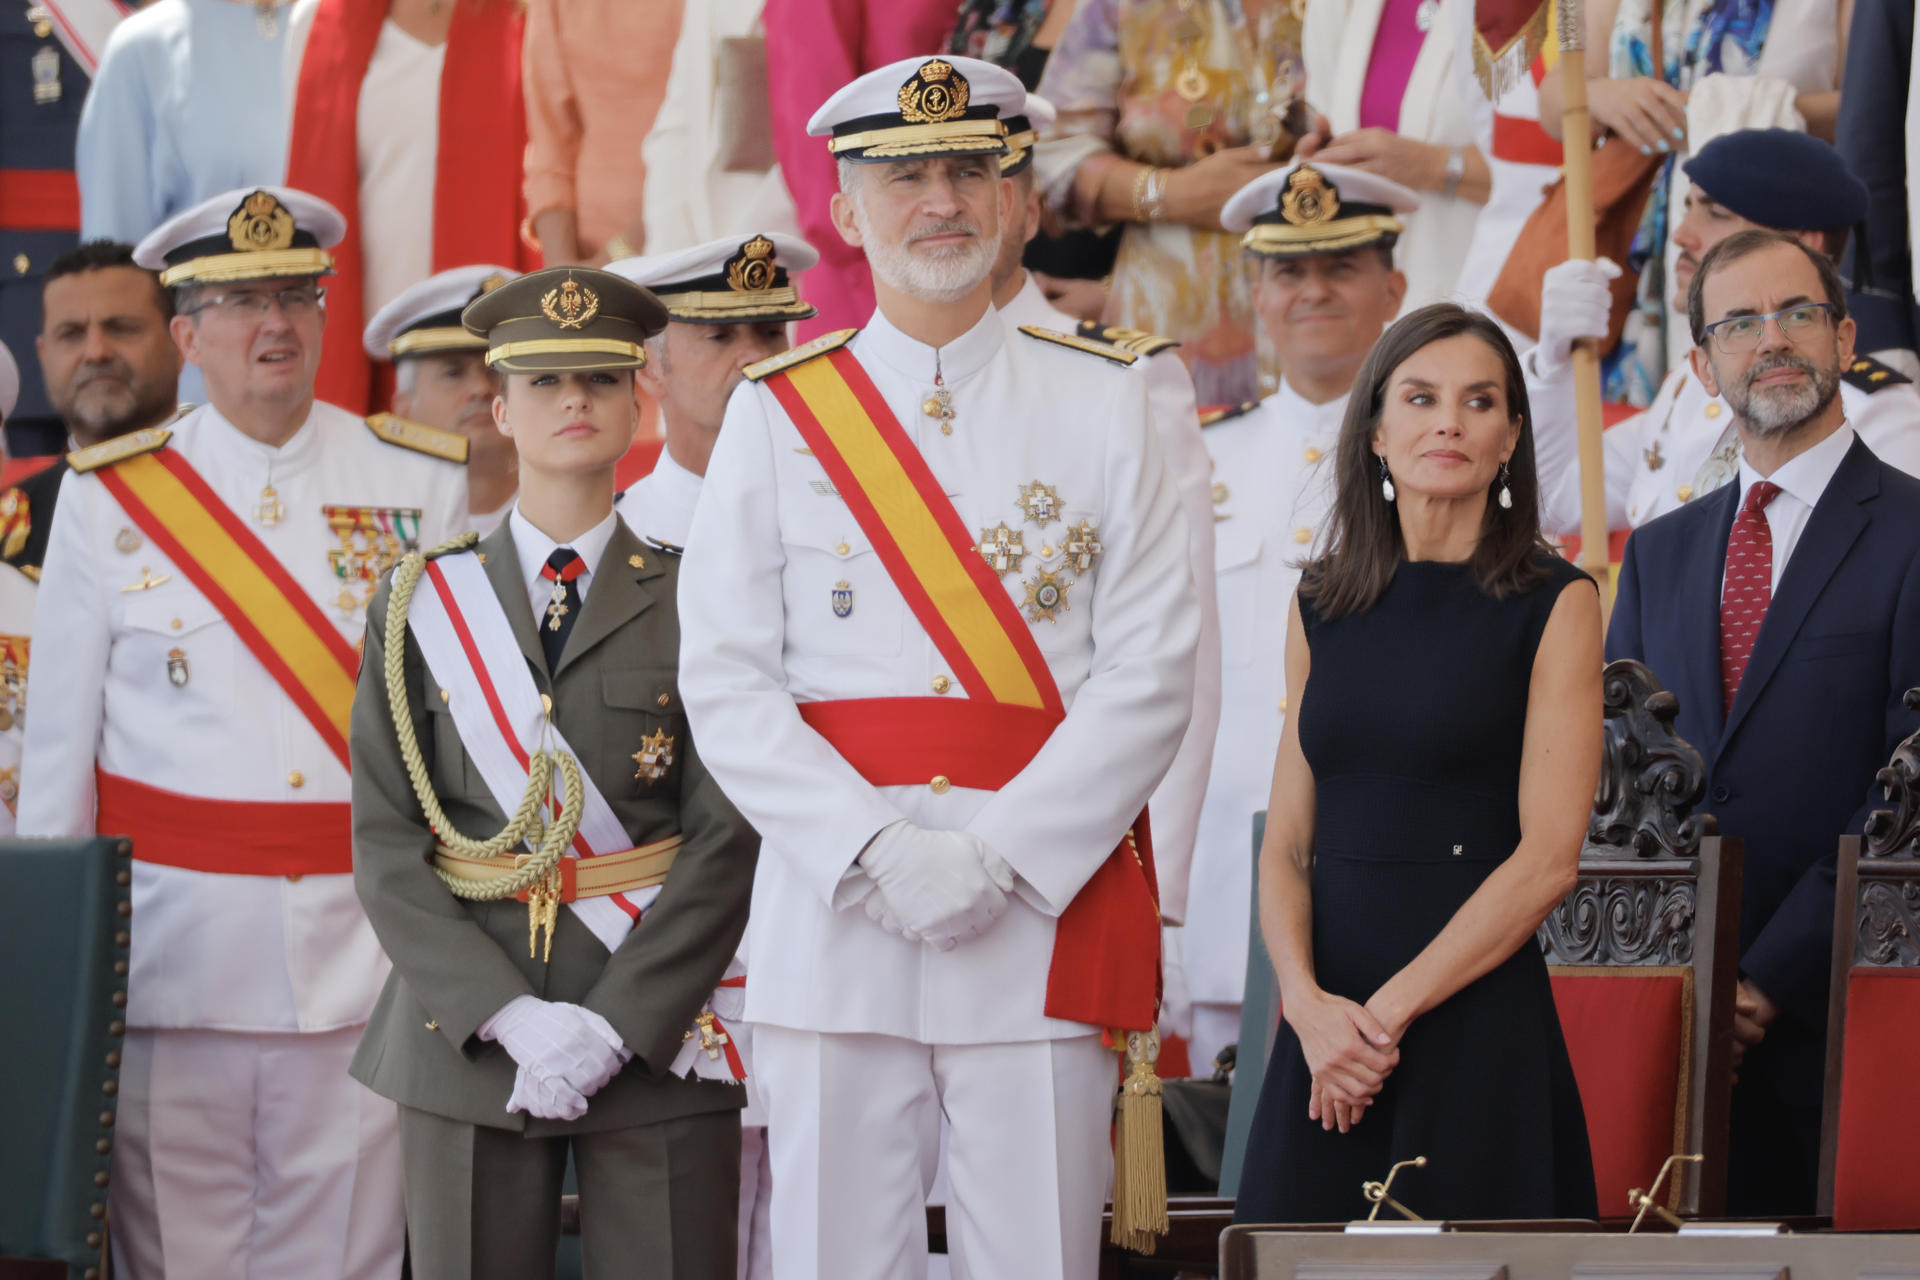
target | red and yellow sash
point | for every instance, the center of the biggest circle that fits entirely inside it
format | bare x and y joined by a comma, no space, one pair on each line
1106,951
274,617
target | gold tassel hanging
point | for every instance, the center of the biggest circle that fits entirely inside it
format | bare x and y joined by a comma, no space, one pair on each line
1139,1155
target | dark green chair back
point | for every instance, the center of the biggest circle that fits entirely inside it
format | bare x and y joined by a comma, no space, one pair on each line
65,916
1259,1019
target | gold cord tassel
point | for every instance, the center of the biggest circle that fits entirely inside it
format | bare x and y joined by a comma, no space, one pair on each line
1139,1151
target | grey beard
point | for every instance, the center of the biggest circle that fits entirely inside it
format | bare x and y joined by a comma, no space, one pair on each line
947,278
1778,411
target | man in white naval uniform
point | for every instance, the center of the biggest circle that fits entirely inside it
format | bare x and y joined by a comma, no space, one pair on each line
441,379
938,635
1322,239
208,581
1684,444
729,305
1176,421
17,593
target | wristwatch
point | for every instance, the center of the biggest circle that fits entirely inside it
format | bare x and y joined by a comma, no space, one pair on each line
1456,170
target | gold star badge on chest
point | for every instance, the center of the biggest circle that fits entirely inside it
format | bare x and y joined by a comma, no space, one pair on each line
1040,503
1082,546
654,757
1003,549
1046,595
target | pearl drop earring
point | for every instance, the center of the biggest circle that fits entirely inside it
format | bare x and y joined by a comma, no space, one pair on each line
1386,481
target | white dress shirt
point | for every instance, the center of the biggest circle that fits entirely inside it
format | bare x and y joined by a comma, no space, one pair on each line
533,547
774,548
660,504
1802,479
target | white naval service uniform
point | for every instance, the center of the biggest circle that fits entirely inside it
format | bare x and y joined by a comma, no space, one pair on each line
660,503
242,1146
1273,469
864,1039
17,596
1176,422
1653,458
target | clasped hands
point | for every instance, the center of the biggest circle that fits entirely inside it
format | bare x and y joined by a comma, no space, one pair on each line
565,1052
1349,1050
941,887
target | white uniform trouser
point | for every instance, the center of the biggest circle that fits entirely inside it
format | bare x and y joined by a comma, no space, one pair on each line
252,1155
854,1126
756,1189
1215,1026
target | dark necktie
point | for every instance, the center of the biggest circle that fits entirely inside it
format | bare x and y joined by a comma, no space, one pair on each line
562,569
1749,586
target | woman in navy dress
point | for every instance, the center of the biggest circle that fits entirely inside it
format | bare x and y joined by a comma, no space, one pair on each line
1428,807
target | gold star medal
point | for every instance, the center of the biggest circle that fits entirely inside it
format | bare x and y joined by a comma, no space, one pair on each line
1083,546
1046,595
1040,503
654,757
1003,549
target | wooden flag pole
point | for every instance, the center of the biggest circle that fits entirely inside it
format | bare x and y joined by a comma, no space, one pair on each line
1575,132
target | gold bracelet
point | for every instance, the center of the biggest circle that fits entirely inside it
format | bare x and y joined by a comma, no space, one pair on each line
1149,194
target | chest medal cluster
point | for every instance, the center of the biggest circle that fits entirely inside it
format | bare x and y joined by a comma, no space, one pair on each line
1075,549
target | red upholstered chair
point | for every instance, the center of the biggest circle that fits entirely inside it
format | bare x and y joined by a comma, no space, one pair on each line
1643,955
1871,1126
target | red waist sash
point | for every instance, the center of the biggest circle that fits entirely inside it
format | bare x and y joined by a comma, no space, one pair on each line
231,837
1106,947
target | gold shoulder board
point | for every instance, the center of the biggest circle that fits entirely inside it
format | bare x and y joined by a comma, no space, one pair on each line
1871,375
1227,413
419,437
1104,350
667,547
1138,341
119,449
799,355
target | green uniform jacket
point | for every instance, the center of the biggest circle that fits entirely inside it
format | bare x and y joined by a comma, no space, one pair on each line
456,963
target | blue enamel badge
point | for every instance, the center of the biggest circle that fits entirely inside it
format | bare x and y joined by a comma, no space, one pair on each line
842,599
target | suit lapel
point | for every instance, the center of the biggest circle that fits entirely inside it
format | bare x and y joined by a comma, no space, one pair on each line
502,564
1832,529
1701,572
615,594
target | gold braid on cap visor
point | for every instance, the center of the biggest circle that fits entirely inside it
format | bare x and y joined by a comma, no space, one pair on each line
949,136
267,264
1324,237
441,338
746,305
567,346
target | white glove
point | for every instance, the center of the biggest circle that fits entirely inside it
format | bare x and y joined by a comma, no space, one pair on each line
1176,1005
545,1097
560,1041
1574,303
936,886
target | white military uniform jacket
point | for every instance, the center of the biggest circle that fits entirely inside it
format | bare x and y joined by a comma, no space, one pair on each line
17,596
1176,421
660,503
1654,457
773,542
214,951
1273,470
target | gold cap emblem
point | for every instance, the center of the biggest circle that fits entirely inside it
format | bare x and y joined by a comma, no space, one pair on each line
491,283
571,306
936,94
1308,200
751,269
260,223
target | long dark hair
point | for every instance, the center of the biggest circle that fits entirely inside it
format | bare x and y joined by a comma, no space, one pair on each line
1363,543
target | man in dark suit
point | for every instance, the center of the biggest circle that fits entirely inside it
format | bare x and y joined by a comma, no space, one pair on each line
1784,613
559,634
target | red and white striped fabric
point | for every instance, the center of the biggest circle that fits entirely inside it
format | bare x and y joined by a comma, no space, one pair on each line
83,26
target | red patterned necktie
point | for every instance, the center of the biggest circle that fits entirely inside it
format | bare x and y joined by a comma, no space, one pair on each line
1749,586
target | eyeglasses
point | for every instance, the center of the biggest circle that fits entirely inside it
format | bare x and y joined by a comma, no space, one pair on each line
1737,335
294,303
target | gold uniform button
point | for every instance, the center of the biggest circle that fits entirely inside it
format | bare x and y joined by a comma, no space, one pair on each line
295,878
446,697
1684,492
1313,456
177,624
940,784
941,684
842,549
1713,409
1283,705
296,779
1046,551
663,701
1303,535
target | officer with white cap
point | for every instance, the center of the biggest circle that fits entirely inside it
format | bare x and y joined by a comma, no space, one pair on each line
441,378
1176,421
937,640
1684,444
729,305
208,581
1322,237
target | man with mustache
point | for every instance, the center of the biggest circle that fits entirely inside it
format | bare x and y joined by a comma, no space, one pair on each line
441,379
1783,611
1321,238
1684,445
207,582
937,639
109,366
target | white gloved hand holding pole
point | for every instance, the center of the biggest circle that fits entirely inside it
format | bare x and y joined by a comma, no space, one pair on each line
934,886
1575,303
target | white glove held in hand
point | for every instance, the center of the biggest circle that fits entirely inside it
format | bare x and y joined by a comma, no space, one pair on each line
565,1053
1574,303
934,886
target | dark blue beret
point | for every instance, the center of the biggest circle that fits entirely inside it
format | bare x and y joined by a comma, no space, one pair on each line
1780,178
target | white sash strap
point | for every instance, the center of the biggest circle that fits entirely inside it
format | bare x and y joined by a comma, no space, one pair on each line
84,25
469,646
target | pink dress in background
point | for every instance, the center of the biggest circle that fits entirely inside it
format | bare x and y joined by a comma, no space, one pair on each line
1396,47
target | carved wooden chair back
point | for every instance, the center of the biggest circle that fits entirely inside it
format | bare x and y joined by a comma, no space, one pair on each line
1643,955
1871,1122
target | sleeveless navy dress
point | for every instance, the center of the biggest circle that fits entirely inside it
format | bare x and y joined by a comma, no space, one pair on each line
1412,722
